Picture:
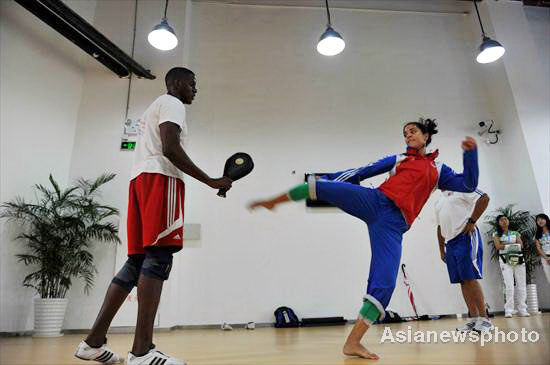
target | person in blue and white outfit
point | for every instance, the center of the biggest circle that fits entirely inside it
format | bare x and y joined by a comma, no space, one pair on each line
461,248
388,210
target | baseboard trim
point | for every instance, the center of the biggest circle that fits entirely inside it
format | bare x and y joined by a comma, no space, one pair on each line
131,329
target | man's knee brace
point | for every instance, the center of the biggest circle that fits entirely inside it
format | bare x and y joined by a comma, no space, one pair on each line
157,264
372,310
128,275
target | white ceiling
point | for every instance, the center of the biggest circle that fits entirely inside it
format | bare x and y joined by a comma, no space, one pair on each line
439,6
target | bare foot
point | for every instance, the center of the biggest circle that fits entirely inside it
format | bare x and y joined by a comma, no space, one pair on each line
262,203
356,349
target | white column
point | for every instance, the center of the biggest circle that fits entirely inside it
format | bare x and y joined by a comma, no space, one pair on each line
529,83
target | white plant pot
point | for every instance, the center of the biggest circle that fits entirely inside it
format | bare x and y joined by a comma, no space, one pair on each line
48,316
532,298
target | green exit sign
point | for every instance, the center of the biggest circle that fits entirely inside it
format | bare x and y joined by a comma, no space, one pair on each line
127,145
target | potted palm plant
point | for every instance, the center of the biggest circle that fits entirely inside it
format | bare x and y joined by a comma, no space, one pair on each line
522,222
58,232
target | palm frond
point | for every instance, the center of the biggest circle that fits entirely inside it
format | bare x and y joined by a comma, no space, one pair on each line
28,259
91,187
55,186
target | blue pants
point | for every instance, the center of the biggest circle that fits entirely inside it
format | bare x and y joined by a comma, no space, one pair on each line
386,227
464,257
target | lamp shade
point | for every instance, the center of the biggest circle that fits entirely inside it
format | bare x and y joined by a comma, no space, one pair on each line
163,36
331,43
489,51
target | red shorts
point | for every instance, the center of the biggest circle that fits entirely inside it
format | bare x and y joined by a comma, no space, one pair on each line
155,213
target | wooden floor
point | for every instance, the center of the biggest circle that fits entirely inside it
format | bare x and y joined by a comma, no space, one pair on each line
314,345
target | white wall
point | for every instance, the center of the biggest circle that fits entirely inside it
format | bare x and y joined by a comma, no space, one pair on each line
42,80
539,24
529,86
263,89
538,19
316,114
524,140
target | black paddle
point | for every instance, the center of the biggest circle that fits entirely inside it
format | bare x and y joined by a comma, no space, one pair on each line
236,167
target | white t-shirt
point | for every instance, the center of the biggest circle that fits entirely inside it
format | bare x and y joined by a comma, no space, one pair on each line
148,154
452,211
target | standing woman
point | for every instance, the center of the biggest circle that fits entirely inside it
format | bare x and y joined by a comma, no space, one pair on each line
509,246
542,240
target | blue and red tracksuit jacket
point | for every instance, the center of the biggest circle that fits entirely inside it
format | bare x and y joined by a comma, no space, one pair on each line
414,177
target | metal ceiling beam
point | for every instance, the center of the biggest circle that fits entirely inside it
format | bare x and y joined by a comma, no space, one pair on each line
73,27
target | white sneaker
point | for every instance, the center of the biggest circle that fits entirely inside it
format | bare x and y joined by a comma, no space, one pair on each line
101,354
226,327
153,357
483,325
523,314
508,314
467,327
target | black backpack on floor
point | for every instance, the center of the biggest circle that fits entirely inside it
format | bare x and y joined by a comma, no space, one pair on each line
285,317
391,317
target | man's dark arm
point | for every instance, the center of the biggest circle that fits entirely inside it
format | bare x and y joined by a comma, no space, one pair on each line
172,150
481,205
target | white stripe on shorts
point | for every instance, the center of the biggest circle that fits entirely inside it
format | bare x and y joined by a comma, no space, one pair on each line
474,240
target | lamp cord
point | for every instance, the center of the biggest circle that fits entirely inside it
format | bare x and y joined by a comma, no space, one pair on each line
328,12
165,9
479,18
130,77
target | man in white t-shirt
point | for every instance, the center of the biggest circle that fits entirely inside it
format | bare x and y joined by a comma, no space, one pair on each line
155,222
461,248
